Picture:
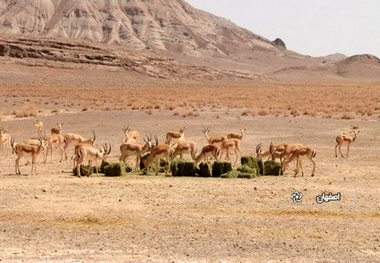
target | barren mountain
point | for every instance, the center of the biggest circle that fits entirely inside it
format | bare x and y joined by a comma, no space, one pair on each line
173,40
154,24
359,67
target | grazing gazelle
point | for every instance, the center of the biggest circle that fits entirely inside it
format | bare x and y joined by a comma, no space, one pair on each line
135,148
159,151
208,150
294,153
90,152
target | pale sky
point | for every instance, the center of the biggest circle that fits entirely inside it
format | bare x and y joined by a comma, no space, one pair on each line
310,27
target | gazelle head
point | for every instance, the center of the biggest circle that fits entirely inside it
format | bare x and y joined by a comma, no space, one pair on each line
182,130
13,145
126,130
59,126
43,141
148,141
206,130
259,149
106,151
355,134
2,131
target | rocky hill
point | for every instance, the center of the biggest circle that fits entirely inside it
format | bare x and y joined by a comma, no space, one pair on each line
158,38
155,24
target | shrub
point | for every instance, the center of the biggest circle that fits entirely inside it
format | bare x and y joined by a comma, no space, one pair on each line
27,110
348,116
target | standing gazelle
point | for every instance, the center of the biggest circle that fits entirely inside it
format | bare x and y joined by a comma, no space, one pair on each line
22,148
57,130
340,139
237,136
40,127
130,136
5,140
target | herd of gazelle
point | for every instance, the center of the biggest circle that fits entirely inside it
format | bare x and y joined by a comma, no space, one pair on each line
85,149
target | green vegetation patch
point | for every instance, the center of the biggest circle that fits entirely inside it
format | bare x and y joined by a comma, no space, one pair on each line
219,168
182,168
205,169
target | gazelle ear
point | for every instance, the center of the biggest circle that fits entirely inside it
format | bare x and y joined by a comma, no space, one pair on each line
93,132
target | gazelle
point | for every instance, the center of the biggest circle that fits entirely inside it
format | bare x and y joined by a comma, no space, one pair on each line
297,152
183,146
231,143
159,151
90,152
130,136
40,127
5,140
237,136
211,149
135,148
76,138
57,130
52,140
283,150
213,139
21,149
340,139
267,154
175,135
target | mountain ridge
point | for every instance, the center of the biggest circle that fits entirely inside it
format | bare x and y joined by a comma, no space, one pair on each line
164,25
157,38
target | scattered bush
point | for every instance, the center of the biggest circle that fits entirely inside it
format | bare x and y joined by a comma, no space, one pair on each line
348,116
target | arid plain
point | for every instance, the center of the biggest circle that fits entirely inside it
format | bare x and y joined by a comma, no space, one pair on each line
56,217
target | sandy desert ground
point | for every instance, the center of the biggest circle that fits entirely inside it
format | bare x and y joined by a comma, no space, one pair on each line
56,217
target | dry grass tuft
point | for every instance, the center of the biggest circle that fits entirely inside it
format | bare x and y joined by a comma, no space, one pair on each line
27,110
348,116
